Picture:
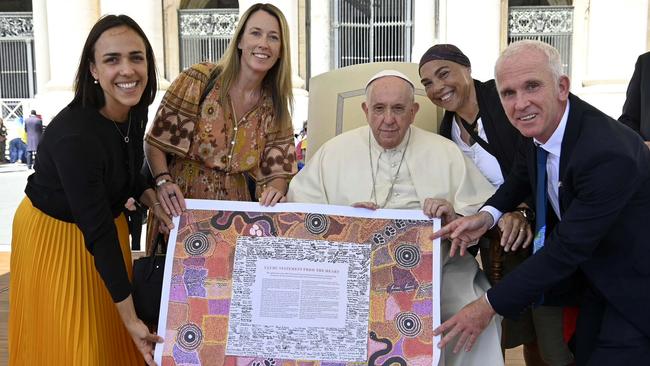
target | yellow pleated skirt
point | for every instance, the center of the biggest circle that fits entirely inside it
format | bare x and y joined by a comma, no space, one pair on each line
60,312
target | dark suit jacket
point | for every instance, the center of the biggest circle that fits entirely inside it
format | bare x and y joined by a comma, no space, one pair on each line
604,231
636,110
502,137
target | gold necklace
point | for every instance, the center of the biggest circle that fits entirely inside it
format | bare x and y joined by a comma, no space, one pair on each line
128,129
372,171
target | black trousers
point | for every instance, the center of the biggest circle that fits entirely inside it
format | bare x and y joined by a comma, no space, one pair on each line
31,156
604,337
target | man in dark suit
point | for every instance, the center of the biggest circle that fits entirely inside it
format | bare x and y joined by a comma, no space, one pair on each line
598,188
34,129
636,110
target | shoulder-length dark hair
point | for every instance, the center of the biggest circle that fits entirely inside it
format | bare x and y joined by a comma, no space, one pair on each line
277,79
89,94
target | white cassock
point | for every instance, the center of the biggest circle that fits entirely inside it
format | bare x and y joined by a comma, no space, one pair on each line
345,170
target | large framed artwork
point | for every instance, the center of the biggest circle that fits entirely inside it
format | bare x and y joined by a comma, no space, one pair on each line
299,285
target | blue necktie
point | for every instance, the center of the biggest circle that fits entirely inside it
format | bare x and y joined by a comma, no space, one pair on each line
540,200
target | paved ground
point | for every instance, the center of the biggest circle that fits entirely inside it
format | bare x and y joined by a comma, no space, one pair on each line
13,178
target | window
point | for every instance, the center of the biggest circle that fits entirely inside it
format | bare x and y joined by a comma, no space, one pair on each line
17,71
372,31
549,24
205,34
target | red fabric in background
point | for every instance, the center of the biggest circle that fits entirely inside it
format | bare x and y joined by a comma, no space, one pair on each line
569,318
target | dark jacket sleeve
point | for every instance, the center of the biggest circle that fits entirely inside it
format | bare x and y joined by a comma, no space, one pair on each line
632,108
599,199
81,168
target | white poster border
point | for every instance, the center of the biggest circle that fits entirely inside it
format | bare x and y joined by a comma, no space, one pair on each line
216,205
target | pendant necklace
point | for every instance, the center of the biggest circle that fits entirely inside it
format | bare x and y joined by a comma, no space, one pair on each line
128,129
372,171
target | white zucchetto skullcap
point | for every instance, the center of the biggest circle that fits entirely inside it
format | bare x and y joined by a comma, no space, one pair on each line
385,73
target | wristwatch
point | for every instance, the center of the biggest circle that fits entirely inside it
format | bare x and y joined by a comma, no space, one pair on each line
527,213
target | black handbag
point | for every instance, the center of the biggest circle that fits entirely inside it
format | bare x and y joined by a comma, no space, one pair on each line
147,283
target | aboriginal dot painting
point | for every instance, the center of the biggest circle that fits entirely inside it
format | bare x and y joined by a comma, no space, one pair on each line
199,289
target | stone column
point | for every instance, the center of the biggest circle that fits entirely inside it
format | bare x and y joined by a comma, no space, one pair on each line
424,27
172,46
68,27
321,37
41,45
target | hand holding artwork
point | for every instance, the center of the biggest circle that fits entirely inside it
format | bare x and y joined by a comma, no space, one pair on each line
366,204
465,231
171,198
166,223
271,195
439,208
467,324
143,339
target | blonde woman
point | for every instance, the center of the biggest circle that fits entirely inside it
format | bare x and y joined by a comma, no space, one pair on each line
221,125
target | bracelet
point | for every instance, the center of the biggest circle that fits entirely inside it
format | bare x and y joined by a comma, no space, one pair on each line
161,174
161,182
155,204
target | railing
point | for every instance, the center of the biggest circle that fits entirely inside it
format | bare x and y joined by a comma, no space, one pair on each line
372,31
13,112
17,71
550,24
14,108
205,34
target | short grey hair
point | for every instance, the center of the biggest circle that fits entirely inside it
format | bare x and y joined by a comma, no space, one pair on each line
552,55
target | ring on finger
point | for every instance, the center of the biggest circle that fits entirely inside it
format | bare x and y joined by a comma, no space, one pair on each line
172,194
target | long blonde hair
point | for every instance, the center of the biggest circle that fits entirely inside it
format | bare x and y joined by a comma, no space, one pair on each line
277,79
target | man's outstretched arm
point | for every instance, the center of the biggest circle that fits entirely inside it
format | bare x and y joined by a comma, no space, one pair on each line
465,231
467,325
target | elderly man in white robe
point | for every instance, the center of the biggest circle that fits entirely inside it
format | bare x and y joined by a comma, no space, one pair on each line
391,164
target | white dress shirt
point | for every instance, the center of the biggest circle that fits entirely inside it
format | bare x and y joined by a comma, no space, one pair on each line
554,147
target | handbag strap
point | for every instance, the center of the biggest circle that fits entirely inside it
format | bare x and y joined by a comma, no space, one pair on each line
160,239
474,134
212,79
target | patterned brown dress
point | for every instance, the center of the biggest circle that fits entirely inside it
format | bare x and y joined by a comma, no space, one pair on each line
211,152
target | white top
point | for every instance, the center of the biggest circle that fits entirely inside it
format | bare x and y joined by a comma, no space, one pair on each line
485,162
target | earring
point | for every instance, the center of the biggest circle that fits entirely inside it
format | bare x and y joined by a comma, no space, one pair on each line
95,81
